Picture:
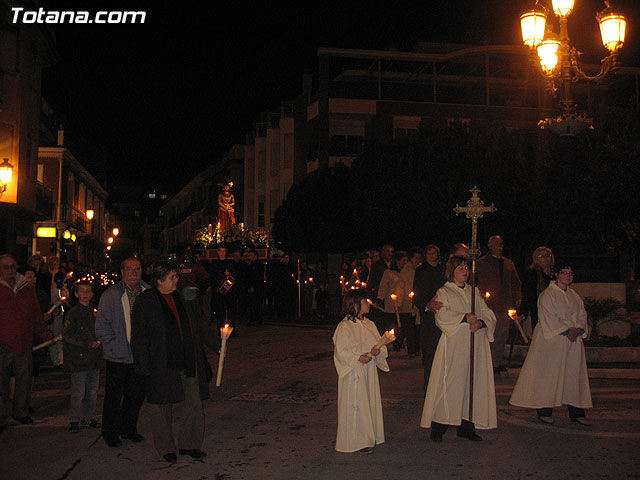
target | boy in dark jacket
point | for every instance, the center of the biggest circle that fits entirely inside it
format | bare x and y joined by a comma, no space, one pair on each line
82,357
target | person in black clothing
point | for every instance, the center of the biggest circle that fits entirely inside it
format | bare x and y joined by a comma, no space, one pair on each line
219,271
428,279
254,283
375,276
534,281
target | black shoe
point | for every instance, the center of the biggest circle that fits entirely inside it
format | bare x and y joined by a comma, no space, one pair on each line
25,420
74,428
195,453
112,439
470,435
435,436
170,457
134,437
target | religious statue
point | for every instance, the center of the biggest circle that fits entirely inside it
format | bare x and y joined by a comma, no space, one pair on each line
226,202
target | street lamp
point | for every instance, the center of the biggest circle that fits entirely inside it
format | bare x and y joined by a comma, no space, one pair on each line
6,172
110,240
559,60
116,231
90,213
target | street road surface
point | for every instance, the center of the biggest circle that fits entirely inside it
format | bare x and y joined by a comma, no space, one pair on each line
275,418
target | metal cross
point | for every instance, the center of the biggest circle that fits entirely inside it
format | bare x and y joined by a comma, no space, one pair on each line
475,209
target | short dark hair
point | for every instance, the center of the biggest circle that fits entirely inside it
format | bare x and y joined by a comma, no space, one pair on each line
452,264
351,304
82,282
130,257
160,271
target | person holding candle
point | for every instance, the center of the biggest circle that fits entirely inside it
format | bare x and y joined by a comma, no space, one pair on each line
555,370
447,399
357,358
167,333
391,300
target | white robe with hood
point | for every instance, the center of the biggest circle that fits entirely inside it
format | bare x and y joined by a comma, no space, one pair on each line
360,423
447,398
555,370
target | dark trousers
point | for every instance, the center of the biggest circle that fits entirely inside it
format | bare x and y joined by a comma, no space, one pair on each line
465,428
574,412
409,332
254,307
429,338
123,397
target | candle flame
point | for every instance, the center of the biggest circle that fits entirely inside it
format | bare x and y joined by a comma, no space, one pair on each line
369,301
512,313
226,325
392,331
394,297
487,294
364,284
411,295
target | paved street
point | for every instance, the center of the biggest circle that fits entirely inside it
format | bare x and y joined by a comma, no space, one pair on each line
275,418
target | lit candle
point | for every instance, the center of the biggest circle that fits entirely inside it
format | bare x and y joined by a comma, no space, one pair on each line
225,332
394,297
487,295
386,338
512,313
411,294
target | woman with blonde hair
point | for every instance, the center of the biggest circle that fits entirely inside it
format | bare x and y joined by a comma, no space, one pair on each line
534,281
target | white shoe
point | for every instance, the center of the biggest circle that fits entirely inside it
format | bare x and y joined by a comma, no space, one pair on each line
547,420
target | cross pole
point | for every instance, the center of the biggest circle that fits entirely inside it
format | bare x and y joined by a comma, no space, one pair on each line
475,209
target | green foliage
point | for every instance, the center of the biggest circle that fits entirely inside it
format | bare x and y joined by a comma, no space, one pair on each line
602,311
545,187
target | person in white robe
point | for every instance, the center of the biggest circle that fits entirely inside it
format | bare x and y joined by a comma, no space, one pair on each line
360,423
555,370
447,399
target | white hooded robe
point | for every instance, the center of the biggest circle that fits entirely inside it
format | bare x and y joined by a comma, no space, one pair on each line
447,398
555,370
360,423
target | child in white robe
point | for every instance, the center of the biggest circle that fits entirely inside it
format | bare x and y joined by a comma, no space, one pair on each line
360,424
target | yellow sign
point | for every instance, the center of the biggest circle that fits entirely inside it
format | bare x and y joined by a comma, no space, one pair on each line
46,232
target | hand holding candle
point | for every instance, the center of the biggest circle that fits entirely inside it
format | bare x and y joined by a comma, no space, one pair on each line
225,333
385,339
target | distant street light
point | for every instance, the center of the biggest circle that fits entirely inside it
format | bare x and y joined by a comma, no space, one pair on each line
559,60
110,240
6,172
90,213
116,231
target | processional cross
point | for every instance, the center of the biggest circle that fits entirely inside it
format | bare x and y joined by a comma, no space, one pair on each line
475,209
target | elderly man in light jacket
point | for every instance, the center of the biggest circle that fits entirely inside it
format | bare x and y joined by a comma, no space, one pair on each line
124,391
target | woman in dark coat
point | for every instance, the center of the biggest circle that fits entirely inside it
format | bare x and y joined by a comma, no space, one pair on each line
167,333
534,281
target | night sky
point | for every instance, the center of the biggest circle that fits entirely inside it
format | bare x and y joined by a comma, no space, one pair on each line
165,99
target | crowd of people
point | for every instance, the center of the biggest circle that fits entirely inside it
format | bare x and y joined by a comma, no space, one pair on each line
461,332
150,328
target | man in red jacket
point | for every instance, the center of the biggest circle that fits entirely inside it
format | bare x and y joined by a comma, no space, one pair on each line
20,316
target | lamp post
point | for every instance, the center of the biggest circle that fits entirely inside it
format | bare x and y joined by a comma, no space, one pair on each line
558,59
6,172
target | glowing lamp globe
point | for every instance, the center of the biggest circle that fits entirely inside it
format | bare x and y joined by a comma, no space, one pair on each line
90,214
548,54
532,23
6,171
612,29
562,7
